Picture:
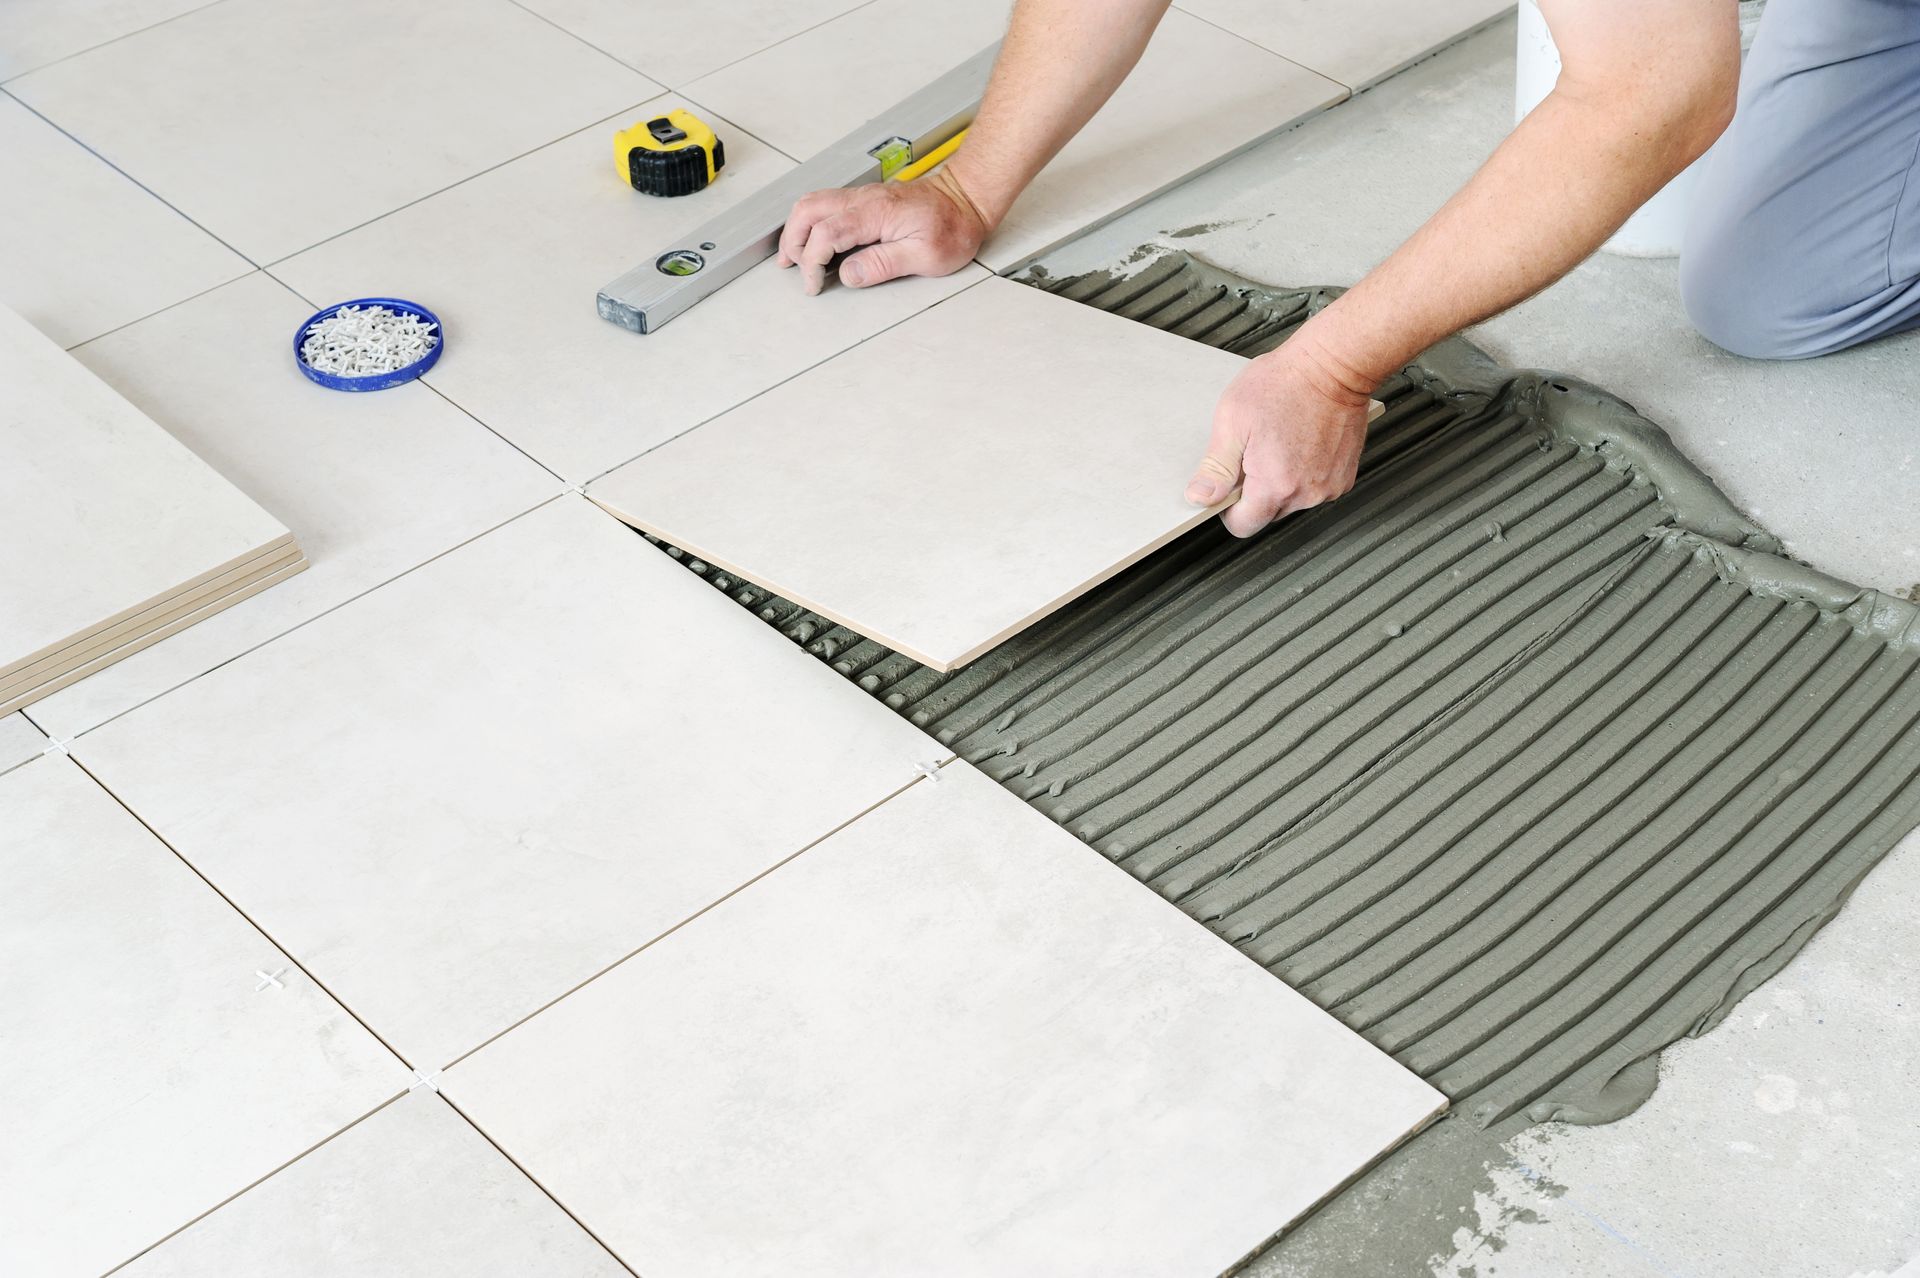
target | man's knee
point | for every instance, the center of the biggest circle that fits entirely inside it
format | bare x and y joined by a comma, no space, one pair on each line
1742,301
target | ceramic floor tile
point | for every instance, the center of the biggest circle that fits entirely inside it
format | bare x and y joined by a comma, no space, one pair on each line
372,484
19,740
277,123
652,36
813,89
805,93
512,261
412,1190
1046,446
36,32
1354,43
459,795
122,513
82,249
948,1039
149,1072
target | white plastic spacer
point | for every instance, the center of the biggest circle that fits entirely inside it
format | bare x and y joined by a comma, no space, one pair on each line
269,979
58,747
422,1079
931,771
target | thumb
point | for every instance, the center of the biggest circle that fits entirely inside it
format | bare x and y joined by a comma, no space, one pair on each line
878,263
1219,471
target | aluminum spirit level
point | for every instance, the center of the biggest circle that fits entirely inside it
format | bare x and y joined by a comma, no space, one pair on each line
668,283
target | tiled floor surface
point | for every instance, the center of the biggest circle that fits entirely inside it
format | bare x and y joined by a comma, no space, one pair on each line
422,798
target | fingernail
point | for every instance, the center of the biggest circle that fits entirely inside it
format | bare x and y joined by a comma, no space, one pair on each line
854,273
1201,493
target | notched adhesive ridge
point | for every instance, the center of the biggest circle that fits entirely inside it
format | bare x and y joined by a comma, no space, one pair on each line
1525,759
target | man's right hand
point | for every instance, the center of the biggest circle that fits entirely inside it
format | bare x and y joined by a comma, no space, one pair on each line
925,227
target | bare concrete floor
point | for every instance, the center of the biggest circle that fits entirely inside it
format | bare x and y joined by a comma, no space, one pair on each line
1787,1140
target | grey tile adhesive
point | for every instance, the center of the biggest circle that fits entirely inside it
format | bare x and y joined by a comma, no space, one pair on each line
1523,760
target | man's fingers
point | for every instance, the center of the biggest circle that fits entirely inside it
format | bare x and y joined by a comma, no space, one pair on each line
878,263
1219,471
807,212
848,229
1256,508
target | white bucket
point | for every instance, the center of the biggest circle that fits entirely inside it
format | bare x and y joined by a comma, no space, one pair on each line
1656,227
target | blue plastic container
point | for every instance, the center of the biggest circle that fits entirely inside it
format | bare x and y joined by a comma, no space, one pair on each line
378,381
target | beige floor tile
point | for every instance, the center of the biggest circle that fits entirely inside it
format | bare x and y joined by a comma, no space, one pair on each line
808,92
278,123
19,740
462,794
413,1190
1199,95
654,36
512,261
82,249
372,484
36,32
150,1071
949,1039
1002,454
1354,43
121,513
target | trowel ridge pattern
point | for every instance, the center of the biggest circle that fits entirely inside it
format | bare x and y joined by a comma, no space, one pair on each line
1525,759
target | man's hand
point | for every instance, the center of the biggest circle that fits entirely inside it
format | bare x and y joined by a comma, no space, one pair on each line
1287,433
924,227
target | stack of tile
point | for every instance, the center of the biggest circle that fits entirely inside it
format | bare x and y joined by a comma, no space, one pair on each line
115,534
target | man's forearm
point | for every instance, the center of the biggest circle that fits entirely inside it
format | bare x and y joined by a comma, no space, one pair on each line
1060,61
1598,147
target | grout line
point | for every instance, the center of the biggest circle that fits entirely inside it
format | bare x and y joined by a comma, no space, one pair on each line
570,133
783,381
50,123
378,585
862,4
534,1180
18,75
256,1184
707,908
580,39
257,270
1345,89
266,271
731,123
268,936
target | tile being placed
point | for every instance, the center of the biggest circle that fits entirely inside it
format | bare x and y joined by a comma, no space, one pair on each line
82,249
411,1190
1198,96
654,37
1008,449
512,262
372,484
462,794
1357,44
36,32
948,1039
278,123
152,1069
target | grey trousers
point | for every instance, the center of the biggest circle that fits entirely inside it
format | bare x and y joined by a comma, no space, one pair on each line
1804,234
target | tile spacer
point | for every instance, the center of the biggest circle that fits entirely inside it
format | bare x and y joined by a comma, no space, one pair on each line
422,1079
269,979
931,771
57,747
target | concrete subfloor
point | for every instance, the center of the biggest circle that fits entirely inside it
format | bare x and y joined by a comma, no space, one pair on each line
1787,1140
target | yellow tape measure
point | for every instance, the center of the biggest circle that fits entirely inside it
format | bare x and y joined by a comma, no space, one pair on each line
671,154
